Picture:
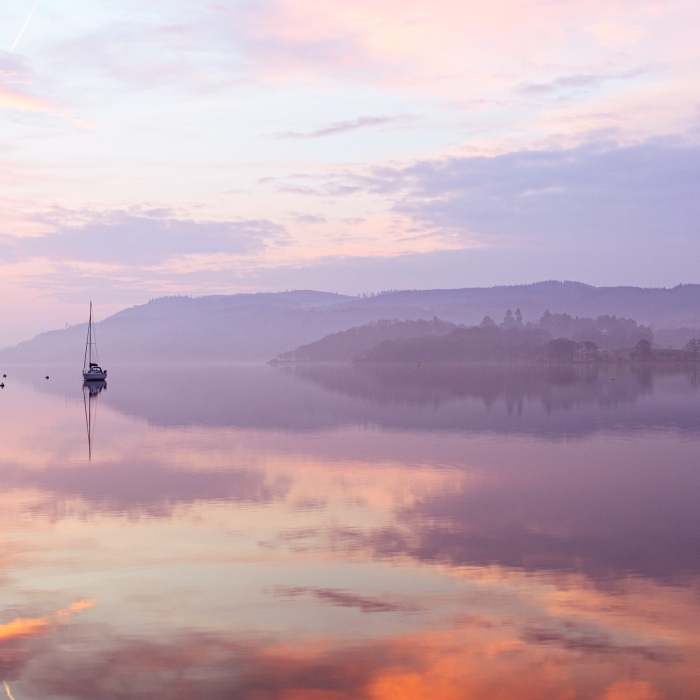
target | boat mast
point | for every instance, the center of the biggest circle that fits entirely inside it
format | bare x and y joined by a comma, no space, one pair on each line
90,331
88,342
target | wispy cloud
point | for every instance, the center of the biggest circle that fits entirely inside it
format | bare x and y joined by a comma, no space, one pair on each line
139,239
462,658
347,599
18,92
345,126
577,637
14,99
542,213
644,192
15,77
309,219
584,81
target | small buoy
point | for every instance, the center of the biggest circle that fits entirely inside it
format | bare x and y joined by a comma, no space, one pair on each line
47,376
419,364
4,376
2,385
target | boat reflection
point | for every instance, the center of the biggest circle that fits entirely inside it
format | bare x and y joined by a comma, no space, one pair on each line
91,390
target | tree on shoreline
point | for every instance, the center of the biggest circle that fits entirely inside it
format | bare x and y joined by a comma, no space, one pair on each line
589,351
642,351
561,350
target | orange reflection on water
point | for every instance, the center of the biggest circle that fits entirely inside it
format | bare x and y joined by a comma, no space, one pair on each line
481,663
22,628
28,627
16,636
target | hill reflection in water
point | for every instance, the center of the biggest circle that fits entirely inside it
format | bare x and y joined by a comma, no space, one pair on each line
543,400
341,532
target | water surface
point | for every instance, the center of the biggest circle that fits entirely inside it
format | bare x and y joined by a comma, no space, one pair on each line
340,532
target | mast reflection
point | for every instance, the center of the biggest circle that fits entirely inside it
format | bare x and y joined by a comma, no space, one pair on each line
91,390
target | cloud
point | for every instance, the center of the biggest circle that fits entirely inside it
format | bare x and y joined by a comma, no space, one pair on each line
308,218
347,599
577,637
14,99
554,530
345,126
435,46
214,78
583,81
631,690
22,628
639,195
15,75
154,490
13,67
140,239
601,212
192,665
17,92
30,627
476,662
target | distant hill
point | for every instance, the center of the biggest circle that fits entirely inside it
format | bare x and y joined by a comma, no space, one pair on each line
347,345
493,344
257,327
464,344
409,341
241,327
607,332
657,307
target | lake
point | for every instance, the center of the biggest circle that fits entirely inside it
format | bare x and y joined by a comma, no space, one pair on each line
350,532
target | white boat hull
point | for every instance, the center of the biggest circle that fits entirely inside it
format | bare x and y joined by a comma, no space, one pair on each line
95,376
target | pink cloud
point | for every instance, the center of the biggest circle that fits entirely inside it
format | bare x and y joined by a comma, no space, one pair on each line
22,102
443,43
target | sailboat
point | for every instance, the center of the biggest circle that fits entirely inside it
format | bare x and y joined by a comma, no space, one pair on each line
92,372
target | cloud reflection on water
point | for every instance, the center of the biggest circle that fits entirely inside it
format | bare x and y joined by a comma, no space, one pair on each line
459,663
358,535
149,488
611,507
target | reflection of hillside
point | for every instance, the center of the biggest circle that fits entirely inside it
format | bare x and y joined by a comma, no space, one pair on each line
574,398
557,387
548,401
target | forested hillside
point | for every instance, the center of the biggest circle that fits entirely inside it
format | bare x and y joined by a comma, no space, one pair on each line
258,327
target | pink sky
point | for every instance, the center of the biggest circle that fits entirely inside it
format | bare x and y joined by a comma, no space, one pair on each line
188,147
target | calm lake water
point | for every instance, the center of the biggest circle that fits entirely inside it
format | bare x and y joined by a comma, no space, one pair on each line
342,533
